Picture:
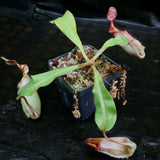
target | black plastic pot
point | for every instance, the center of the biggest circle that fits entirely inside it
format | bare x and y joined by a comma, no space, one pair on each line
85,96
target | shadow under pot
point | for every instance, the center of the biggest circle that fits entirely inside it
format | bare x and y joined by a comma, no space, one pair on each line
76,87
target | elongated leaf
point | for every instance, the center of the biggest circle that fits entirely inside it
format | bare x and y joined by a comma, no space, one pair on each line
118,40
43,79
67,25
105,115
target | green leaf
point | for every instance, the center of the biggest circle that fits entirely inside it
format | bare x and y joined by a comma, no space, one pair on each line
43,79
105,115
67,25
118,40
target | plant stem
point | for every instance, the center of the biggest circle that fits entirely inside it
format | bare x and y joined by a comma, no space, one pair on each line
97,55
84,55
89,62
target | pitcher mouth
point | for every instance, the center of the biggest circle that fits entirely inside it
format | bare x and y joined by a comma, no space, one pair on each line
93,142
112,29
